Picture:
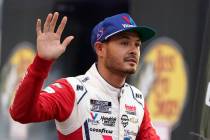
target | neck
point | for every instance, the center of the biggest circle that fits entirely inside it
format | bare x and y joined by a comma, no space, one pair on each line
113,78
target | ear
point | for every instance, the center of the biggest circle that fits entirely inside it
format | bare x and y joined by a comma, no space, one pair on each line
99,48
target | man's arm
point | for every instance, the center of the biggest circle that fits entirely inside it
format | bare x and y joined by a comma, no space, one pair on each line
147,132
33,105
29,104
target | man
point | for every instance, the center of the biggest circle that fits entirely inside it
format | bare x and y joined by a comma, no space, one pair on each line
96,105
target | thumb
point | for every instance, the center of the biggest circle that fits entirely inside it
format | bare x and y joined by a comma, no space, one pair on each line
67,40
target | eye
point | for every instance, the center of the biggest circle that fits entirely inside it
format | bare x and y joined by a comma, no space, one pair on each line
138,44
125,43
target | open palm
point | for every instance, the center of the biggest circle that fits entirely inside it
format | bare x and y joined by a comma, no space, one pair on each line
49,46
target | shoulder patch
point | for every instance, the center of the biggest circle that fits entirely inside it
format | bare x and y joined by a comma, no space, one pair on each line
137,95
78,87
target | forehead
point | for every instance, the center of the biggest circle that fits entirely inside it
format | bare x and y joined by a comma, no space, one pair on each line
127,35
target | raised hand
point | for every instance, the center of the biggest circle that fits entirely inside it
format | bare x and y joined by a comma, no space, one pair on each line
49,46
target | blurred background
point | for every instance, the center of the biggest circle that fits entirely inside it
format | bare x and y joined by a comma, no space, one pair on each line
174,74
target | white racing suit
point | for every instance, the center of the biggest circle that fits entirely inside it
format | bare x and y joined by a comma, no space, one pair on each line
84,107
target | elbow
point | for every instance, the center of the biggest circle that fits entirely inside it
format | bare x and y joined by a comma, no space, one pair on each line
18,116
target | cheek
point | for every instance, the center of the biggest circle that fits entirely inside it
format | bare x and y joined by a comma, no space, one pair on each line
115,56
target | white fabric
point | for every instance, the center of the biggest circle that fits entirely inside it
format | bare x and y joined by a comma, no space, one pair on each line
98,104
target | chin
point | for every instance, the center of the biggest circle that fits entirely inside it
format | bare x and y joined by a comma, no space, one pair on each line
130,70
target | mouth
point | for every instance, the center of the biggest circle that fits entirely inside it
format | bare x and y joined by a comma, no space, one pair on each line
131,59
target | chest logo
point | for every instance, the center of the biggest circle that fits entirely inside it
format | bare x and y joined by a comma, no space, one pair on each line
100,106
94,118
108,121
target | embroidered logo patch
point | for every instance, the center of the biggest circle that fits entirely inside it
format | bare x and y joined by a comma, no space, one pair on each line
94,118
124,120
101,130
108,121
100,106
130,109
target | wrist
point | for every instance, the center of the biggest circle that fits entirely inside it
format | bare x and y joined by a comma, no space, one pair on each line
41,66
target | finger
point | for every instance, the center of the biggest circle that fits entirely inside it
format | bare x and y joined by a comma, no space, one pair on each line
62,25
67,40
47,23
53,22
38,27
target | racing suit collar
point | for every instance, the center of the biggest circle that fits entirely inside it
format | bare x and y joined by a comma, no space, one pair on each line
102,83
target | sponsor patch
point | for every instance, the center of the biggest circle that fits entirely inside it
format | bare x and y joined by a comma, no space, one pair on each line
124,120
94,118
130,109
101,130
127,25
79,87
108,121
133,120
138,96
130,132
100,106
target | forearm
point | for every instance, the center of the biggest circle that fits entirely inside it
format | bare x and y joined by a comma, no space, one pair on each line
28,91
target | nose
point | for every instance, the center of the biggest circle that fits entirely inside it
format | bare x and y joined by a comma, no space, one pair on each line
134,49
